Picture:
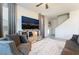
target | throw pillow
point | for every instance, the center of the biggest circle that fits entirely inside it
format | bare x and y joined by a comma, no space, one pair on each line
74,38
23,38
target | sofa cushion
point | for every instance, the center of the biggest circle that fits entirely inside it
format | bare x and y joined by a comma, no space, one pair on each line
71,45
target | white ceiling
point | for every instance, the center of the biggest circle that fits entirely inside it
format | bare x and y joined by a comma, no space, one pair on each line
54,8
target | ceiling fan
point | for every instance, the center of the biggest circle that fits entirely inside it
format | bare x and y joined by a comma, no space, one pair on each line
46,5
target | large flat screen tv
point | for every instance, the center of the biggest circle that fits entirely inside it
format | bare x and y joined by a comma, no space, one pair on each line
29,23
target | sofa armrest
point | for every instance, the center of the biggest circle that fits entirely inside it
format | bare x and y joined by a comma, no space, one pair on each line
25,48
67,52
71,48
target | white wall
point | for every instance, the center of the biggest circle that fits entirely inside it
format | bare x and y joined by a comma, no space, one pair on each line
46,27
21,11
69,27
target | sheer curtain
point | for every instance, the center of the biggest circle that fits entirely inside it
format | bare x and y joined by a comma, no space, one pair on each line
12,18
5,19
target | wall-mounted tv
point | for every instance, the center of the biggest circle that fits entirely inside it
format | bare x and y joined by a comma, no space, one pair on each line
29,23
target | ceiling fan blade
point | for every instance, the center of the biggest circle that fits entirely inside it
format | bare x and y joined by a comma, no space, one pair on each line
39,4
46,5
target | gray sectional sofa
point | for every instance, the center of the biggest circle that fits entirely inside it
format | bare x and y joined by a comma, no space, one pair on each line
11,45
72,46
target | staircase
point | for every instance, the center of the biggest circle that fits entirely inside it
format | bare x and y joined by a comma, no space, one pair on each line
57,21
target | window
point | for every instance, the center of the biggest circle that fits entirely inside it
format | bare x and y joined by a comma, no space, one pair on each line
5,19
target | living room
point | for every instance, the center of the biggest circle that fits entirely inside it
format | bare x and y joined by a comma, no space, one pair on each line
35,28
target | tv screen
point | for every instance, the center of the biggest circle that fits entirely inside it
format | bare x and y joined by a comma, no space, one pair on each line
29,23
